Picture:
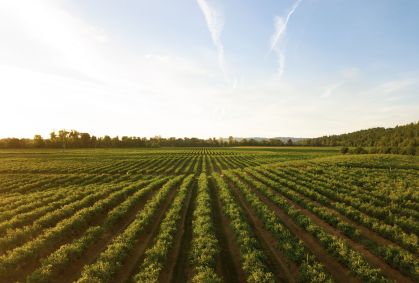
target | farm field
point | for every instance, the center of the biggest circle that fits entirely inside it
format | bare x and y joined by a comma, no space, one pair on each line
296,214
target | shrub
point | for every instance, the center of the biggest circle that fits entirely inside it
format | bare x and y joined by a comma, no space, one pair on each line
344,150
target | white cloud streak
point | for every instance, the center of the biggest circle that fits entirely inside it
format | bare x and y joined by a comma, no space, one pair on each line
277,38
330,89
395,86
215,23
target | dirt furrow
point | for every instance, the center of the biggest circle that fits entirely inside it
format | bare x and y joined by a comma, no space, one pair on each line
143,242
365,231
228,261
177,269
336,269
283,270
387,270
32,264
73,271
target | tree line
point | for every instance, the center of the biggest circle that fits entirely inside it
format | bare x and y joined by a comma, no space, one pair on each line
398,140
75,139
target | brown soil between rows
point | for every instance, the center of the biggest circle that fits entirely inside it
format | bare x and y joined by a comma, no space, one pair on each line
283,270
374,260
191,166
144,241
173,168
370,257
39,231
183,166
246,163
369,233
33,263
177,268
229,163
169,164
28,222
199,169
332,265
364,230
74,269
214,165
229,266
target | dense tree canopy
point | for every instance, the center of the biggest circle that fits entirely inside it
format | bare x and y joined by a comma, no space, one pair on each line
75,139
399,136
401,139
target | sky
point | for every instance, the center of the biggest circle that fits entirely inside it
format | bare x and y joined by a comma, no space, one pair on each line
207,68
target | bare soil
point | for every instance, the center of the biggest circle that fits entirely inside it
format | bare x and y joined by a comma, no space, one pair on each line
374,260
33,263
73,270
228,261
283,270
145,240
177,267
333,266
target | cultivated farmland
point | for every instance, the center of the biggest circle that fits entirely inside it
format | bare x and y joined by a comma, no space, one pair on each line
208,215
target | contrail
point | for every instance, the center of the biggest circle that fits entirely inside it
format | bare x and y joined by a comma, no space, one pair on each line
280,28
215,23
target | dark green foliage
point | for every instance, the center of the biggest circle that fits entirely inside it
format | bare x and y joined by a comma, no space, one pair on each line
398,140
74,139
358,150
344,150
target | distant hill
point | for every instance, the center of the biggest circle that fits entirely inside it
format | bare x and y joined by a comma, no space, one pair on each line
294,140
388,138
261,139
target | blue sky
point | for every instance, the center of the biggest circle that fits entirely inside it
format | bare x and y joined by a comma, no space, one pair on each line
207,67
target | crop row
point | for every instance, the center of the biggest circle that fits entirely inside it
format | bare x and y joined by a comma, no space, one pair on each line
57,261
110,260
393,255
57,202
156,255
18,236
252,256
204,247
14,260
366,202
331,198
310,269
335,246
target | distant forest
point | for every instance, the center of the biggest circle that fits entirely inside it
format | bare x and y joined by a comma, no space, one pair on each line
401,139
75,139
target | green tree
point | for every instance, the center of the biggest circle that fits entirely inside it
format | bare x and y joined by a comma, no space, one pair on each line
38,141
63,137
106,141
85,140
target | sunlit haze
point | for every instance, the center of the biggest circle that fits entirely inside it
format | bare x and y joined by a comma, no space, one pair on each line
207,68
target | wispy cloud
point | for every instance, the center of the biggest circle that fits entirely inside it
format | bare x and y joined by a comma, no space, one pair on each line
215,23
395,86
330,89
277,38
